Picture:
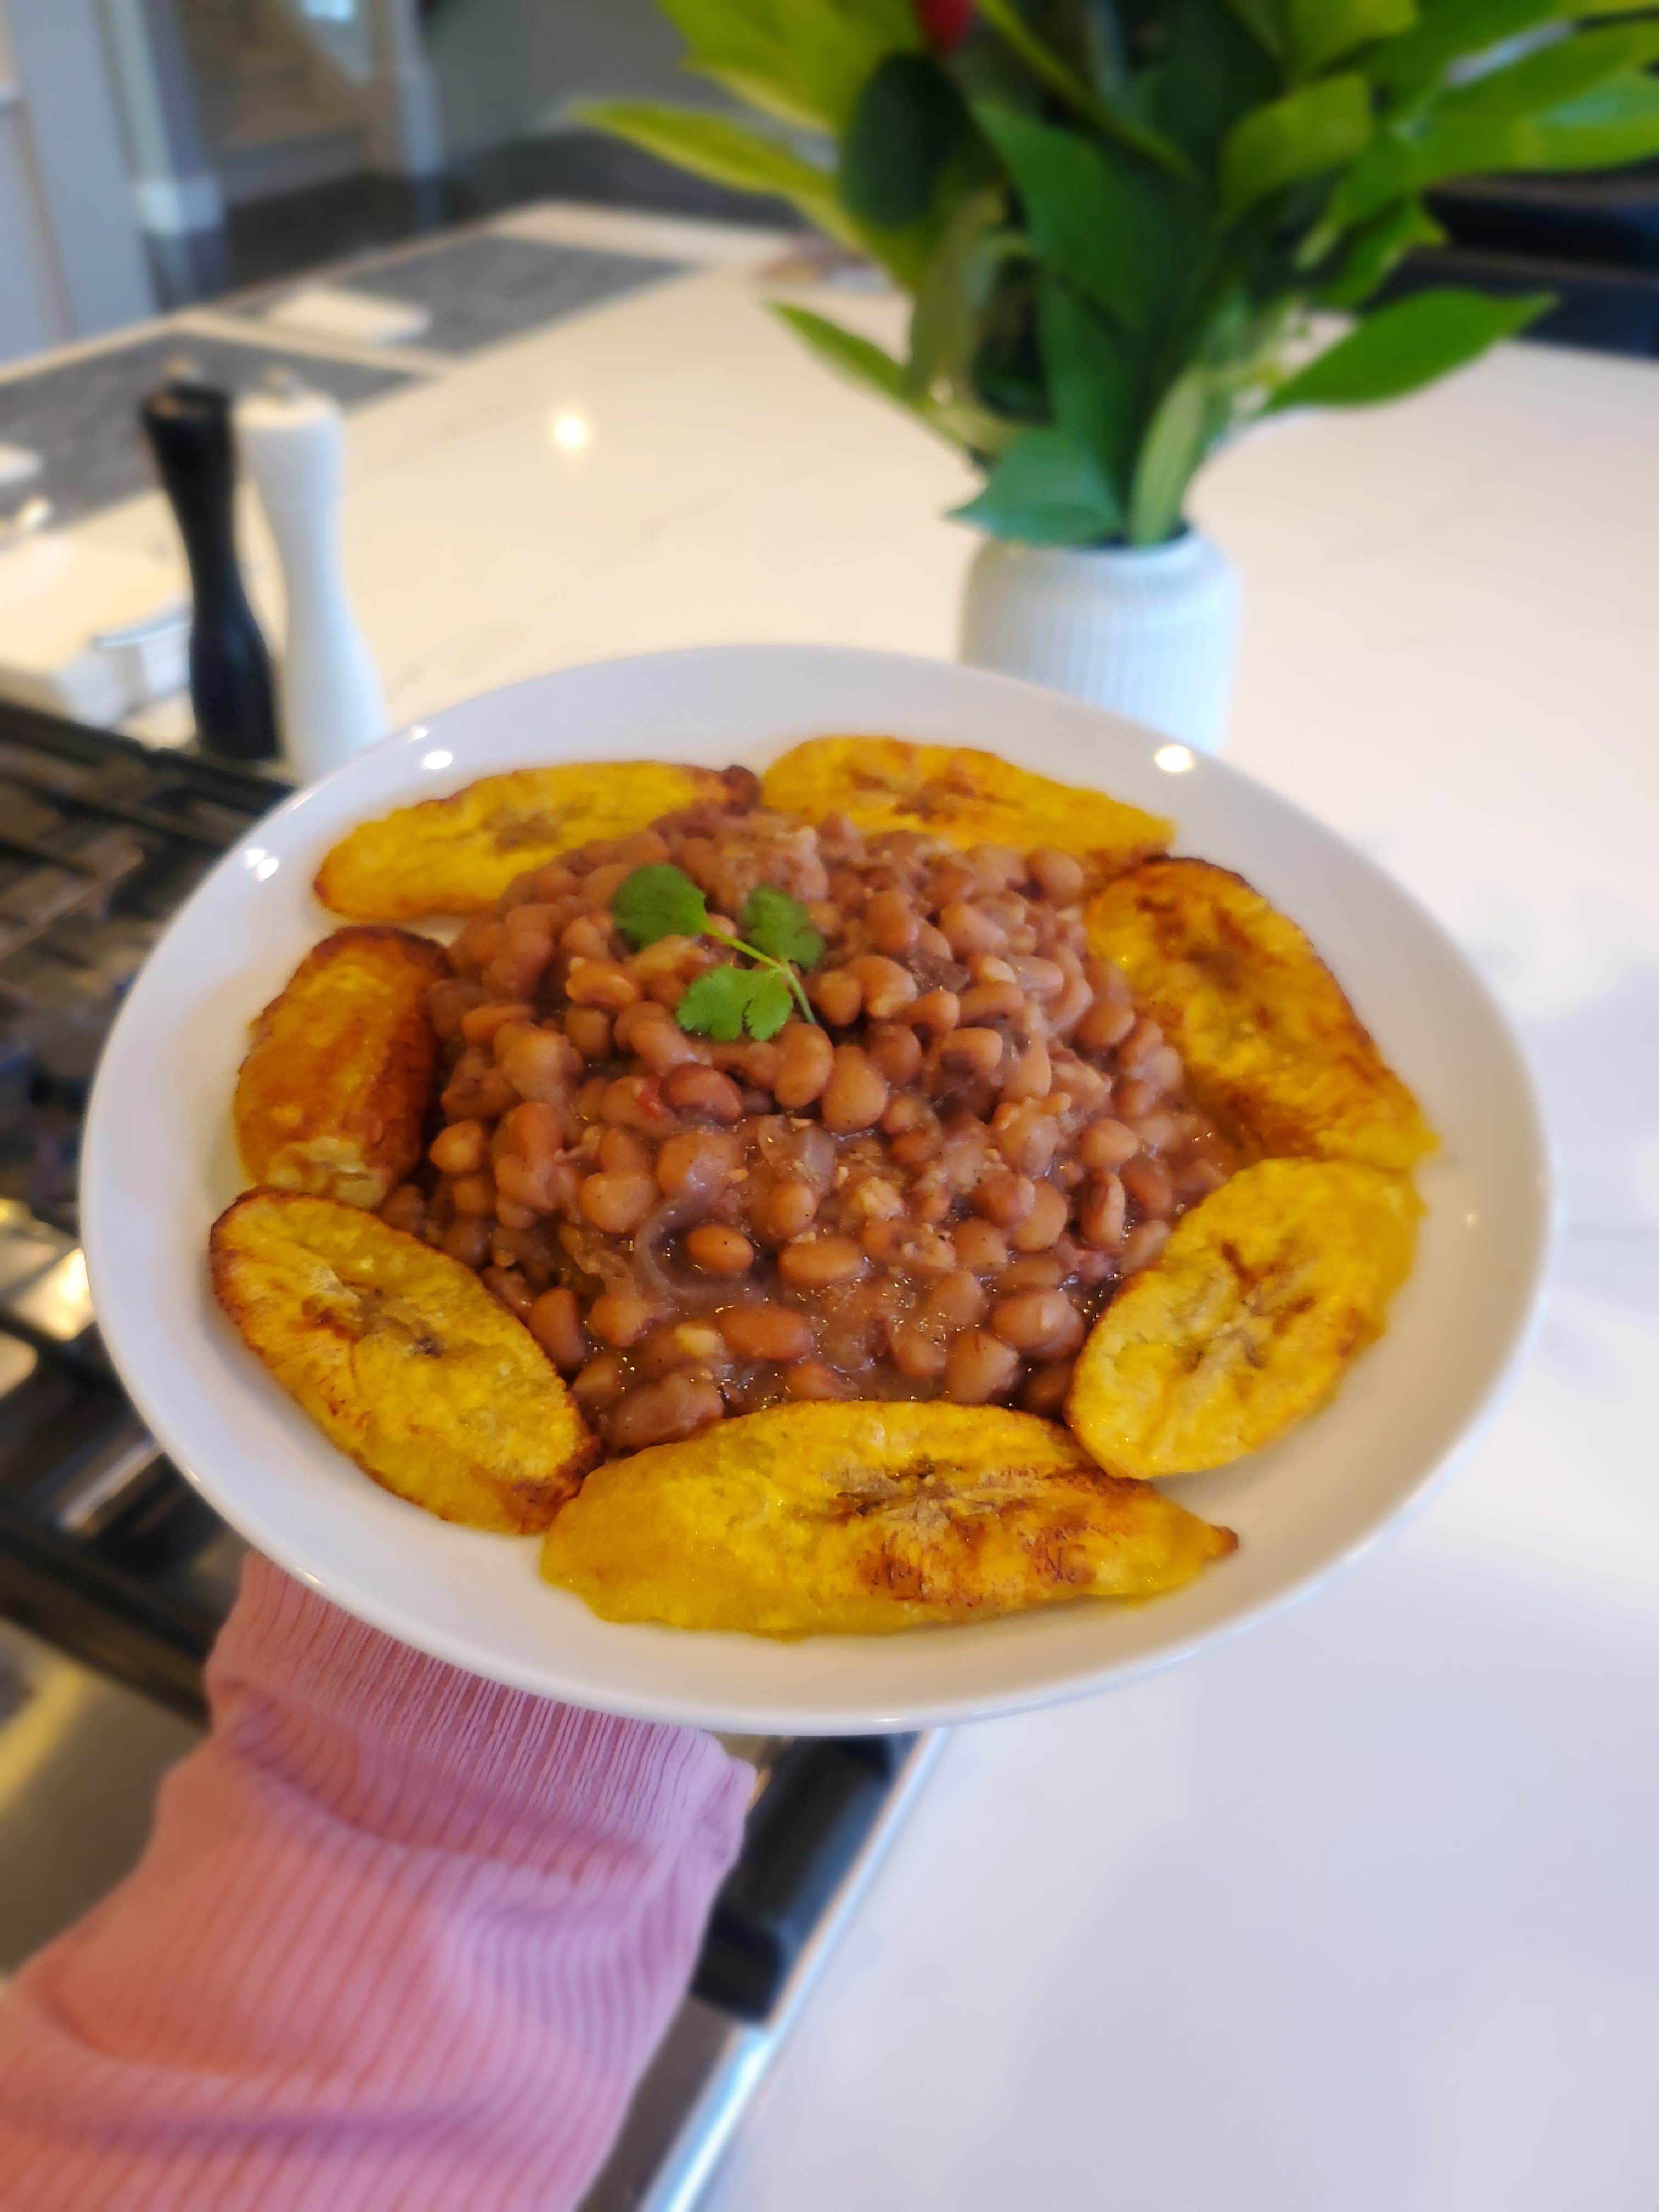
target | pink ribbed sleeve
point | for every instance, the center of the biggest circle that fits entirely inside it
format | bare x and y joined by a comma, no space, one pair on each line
401,1939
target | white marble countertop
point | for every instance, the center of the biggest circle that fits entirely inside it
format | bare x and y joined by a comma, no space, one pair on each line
1359,1910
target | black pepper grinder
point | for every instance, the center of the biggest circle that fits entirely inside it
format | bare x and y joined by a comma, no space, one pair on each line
187,423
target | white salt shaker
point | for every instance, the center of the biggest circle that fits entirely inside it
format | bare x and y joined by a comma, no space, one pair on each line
331,703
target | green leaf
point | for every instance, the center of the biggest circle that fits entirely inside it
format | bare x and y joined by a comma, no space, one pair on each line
907,121
803,61
1616,124
1554,76
955,287
780,927
728,153
1323,31
1109,114
861,359
1400,349
659,901
1263,20
1091,373
1088,220
1374,250
1045,490
725,1001
1173,450
1386,171
1211,72
1452,30
1302,135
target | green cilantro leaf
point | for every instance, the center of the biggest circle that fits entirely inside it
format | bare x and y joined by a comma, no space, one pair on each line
725,1001
659,901
778,926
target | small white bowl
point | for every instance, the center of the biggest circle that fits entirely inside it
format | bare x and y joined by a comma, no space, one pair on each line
159,1164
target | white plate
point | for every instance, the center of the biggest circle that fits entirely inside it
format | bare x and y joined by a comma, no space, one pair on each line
159,1164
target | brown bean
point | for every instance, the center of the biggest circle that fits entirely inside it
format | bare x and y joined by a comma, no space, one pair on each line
979,1366
587,938
697,1166
917,1356
680,1344
884,985
805,1056
1142,1042
459,1150
765,1331
1157,1131
1194,1182
812,1379
1031,1075
449,1001
617,1203
620,1318
1106,1023
480,1023
1027,1137
972,1052
599,1384
521,1188
588,1029
1107,1144
1003,1198
517,968
660,1042
856,1094
1059,876
892,922
1148,1186
1042,1324
980,1246
507,1284
601,884
1044,1223
1047,1388
936,1011
694,1089
623,1152
555,1322
956,1301
1035,1271
467,1239
968,929
896,1052
634,1102
788,1209
663,1413
819,1261
837,997
1101,1216
1142,1245
719,1250
473,1194
994,1002
540,1064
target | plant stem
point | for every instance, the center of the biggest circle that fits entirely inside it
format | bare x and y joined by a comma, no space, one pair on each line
790,974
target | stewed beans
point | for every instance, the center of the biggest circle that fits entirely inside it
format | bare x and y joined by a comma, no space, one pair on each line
929,1189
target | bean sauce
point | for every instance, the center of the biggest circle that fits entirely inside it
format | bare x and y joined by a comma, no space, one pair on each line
931,1190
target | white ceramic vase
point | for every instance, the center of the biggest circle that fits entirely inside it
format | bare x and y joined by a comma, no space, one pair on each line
1150,631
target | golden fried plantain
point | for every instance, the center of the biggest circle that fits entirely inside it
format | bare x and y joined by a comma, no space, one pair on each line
1270,1043
333,1097
403,1359
457,855
823,1519
966,797
1247,1318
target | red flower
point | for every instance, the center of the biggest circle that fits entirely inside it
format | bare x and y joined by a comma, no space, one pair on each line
944,23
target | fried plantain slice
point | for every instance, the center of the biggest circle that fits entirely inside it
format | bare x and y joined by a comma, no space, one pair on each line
333,1097
457,855
403,1359
965,797
1247,1318
1269,1042
824,1518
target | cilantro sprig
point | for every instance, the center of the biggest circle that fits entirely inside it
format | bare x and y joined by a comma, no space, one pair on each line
662,901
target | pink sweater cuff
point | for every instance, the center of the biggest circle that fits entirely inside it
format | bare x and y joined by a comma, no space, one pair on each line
402,1938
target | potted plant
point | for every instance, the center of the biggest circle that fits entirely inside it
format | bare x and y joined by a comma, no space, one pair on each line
1115,220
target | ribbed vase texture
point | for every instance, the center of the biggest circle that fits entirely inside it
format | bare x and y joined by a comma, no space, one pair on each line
1149,631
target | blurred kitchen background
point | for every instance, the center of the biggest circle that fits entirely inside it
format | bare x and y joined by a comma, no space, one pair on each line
158,153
